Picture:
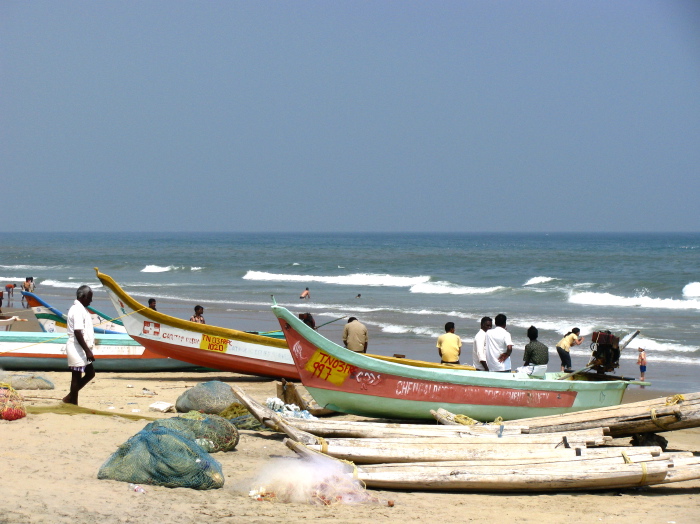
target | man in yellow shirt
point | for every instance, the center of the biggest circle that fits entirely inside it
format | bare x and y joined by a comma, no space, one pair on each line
449,345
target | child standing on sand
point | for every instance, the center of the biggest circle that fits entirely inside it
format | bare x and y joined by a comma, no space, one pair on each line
642,362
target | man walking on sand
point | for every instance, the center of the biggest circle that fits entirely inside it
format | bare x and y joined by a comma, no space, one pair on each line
81,340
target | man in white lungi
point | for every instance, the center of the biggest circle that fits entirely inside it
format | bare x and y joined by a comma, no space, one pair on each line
81,340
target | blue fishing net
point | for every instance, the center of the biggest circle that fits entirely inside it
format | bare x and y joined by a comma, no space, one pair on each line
163,457
212,432
209,397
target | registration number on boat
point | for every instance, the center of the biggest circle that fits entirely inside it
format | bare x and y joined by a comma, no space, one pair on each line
327,368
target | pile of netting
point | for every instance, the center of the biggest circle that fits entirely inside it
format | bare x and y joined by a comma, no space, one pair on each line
318,482
212,432
209,397
238,415
26,381
165,457
11,403
288,410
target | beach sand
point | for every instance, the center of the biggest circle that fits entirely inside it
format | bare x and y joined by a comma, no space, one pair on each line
50,463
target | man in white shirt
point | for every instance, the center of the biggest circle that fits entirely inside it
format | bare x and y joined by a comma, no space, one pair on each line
499,346
479,354
81,340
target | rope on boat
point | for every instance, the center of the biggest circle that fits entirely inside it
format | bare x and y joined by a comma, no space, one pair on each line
644,474
626,457
64,334
675,399
656,420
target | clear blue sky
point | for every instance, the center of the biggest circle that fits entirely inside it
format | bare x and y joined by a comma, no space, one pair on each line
350,116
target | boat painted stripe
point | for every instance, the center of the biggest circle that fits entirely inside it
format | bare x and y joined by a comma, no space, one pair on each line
128,303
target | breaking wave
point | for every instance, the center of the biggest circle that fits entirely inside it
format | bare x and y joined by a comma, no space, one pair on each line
538,280
607,299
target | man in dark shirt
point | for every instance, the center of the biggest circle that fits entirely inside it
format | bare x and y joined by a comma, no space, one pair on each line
536,353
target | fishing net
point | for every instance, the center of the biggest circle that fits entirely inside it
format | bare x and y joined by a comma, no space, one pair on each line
212,432
26,381
238,415
11,403
309,481
163,457
209,397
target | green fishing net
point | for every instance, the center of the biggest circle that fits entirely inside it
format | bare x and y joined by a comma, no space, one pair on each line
209,397
238,415
163,457
212,432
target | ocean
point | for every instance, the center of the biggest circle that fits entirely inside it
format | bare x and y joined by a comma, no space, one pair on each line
404,287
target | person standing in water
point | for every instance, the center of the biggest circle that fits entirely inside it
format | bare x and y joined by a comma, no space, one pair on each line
305,294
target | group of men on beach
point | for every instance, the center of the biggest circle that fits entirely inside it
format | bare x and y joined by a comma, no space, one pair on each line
494,345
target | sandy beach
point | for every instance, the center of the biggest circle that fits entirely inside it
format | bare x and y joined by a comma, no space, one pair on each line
50,464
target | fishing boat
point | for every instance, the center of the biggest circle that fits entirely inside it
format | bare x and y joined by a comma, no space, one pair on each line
200,344
37,351
350,382
52,320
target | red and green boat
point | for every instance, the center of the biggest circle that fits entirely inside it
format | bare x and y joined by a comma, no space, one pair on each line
355,383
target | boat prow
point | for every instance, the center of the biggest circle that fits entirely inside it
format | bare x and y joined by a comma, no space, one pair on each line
200,344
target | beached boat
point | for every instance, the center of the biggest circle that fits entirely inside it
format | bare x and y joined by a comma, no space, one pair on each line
52,320
37,351
200,344
351,382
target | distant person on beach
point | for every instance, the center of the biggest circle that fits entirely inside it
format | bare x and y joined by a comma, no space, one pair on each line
28,285
499,346
479,351
308,320
358,295
305,294
152,304
355,336
642,363
198,316
81,340
536,353
10,289
449,345
572,338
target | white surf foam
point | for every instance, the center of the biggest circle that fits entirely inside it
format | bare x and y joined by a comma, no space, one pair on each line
30,267
692,290
355,279
607,299
538,280
448,288
158,269
61,284
195,268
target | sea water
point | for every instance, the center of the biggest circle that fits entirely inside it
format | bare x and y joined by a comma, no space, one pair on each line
409,285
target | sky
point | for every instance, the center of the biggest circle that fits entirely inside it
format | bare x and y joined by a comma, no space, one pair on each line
350,116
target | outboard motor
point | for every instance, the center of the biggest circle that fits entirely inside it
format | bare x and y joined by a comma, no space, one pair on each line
605,349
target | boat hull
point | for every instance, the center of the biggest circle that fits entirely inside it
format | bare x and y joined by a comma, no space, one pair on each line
349,382
20,351
200,344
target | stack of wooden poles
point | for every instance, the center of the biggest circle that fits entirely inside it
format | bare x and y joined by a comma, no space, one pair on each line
524,455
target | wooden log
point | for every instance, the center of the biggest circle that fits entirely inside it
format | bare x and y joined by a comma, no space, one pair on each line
359,429
522,478
656,415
